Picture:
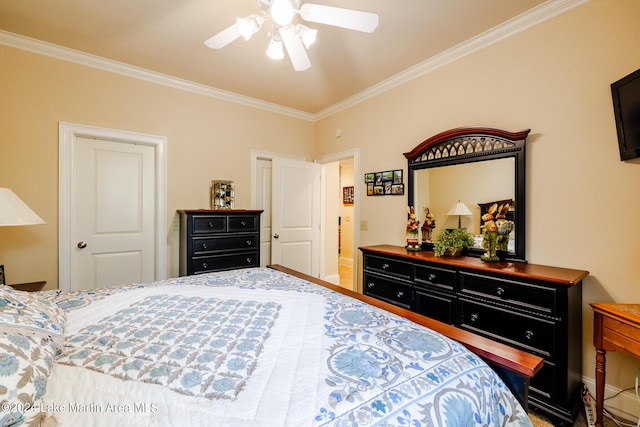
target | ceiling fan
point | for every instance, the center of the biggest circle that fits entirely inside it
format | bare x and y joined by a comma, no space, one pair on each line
297,38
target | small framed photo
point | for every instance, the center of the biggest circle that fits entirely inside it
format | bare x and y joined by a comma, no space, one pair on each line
2,280
378,180
369,177
397,176
370,189
387,176
347,195
378,190
387,187
397,189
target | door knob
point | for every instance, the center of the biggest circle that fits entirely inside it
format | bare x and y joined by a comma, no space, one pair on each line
82,245
275,236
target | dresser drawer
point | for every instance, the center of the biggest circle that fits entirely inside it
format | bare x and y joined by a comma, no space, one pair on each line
243,223
388,290
202,245
437,306
527,296
209,224
224,262
437,277
388,266
526,332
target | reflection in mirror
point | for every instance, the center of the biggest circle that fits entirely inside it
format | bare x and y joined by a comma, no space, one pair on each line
474,166
473,184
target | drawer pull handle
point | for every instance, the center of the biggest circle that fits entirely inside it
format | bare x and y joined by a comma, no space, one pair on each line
370,285
529,335
385,266
243,223
400,294
500,291
431,277
248,260
474,317
205,265
249,242
205,246
211,224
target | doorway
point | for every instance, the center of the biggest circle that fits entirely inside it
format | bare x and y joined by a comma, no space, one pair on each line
112,211
330,259
341,236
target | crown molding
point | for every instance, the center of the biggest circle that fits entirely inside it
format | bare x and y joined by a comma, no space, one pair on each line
48,49
505,30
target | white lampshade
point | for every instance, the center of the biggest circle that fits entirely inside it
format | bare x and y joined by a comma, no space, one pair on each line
14,211
459,209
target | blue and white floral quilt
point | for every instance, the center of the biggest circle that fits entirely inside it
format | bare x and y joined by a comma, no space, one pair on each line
257,347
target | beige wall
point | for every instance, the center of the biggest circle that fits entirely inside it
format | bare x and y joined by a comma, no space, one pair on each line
582,201
206,139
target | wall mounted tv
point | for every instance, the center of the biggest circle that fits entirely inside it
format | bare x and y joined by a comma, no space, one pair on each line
626,108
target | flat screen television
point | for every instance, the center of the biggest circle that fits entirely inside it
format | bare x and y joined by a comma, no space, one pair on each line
626,108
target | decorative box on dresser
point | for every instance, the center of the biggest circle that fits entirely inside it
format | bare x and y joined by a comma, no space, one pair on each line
535,308
215,240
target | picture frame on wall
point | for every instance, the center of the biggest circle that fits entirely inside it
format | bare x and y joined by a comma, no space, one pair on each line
385,183
347,195
397,176
397,189
370,189
2,280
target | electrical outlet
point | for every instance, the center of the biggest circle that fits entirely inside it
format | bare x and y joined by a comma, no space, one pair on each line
364,225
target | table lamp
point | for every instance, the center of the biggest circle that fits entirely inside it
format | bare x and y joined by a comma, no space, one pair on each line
14,211
459,209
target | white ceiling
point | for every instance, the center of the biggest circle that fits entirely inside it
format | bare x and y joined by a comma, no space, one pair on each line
167,37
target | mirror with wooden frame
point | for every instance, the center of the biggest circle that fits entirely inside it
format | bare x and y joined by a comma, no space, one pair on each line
477,166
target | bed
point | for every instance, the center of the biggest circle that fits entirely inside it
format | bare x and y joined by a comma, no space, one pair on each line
248,347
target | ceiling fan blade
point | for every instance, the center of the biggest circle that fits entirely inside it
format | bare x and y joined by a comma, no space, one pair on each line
340,17
224,37
295,49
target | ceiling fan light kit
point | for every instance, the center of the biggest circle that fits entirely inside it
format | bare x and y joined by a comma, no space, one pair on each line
296,38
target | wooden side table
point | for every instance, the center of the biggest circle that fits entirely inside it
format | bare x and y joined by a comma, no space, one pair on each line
30,286
616,327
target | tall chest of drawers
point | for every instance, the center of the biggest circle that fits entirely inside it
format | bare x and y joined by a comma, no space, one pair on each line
535,308
215,240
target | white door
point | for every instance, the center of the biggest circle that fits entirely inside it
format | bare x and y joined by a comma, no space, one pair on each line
113,218
263,201
296,214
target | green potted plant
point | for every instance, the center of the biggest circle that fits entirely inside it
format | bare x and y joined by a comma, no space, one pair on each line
452,241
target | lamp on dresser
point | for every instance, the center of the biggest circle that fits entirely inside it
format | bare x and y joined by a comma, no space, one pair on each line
15,212
461,210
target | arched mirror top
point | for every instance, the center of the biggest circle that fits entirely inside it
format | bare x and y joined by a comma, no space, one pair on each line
494,170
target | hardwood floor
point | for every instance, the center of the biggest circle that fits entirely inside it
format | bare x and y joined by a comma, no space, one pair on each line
346,276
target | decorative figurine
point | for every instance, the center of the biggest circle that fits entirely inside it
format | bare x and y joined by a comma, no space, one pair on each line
490,235
413,226
428,225
505,227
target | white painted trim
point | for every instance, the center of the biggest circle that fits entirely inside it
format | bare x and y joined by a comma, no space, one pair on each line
68,132
624,404
48,49
537,15
500,32
348,154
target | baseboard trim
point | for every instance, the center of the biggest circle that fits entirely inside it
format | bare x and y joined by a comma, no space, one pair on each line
624,405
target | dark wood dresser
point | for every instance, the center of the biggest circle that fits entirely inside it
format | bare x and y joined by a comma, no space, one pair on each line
215,240
535,308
